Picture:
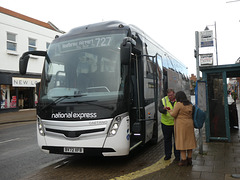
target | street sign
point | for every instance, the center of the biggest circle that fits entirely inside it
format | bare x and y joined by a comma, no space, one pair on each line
206,38
206,59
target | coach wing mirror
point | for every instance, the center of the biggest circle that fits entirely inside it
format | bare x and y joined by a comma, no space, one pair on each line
23,61
126,50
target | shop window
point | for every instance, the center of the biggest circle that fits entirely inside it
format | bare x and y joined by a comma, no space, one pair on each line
13,97
32,44
8,98
11,42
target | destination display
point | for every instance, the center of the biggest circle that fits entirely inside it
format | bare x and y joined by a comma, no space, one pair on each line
85,43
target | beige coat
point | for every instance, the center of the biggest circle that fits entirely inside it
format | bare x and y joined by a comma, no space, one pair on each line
183,127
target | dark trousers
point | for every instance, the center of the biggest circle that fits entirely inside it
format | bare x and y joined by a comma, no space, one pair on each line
168,134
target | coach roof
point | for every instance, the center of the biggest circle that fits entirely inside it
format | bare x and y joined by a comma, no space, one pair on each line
108,25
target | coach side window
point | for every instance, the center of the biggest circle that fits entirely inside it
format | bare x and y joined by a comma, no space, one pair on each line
149,67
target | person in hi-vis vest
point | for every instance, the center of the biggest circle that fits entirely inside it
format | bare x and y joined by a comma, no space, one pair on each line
167,122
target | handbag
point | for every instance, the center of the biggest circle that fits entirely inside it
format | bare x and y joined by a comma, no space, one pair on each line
199,117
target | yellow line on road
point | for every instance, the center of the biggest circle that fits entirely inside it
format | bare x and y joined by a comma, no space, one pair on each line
161,164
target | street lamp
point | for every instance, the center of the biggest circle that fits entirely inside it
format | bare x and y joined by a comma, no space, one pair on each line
215,26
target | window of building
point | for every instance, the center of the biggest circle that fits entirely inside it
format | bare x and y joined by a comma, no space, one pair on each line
32,44
11,41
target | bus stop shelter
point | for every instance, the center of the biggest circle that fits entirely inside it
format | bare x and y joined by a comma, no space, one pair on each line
217,123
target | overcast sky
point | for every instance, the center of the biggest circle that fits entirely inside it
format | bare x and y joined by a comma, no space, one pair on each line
172,23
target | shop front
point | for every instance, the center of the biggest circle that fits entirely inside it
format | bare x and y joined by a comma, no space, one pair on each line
17,92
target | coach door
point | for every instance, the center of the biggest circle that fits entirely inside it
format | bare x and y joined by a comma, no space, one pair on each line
158,84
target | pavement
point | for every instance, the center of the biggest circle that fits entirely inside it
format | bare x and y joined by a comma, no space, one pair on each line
220,160
23,115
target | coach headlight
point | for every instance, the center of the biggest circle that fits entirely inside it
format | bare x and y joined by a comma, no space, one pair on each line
40,126
115,125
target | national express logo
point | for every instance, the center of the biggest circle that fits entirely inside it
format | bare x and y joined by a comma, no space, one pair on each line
70,115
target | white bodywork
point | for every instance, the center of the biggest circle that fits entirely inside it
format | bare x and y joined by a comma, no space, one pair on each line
120,142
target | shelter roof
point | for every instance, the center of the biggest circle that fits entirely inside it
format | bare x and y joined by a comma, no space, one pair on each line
232,70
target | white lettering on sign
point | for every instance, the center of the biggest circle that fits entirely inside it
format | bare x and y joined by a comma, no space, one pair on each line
86,43
24,82
68,115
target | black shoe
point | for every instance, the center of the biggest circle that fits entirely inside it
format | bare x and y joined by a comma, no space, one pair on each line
183,163
167,158
177,159
189,160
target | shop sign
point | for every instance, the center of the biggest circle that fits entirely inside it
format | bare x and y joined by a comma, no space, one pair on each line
24,82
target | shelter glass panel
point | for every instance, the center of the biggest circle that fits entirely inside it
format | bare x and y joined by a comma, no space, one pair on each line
216,105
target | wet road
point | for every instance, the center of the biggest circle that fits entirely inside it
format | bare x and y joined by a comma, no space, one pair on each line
21,158
101,168
19,152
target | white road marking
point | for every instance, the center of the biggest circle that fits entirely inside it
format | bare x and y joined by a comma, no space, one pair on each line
10,140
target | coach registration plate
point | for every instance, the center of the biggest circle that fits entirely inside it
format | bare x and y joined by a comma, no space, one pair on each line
73,150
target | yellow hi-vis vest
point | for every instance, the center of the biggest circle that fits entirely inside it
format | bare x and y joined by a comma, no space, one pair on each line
167,119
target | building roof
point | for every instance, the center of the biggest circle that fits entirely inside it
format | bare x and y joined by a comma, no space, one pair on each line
48,25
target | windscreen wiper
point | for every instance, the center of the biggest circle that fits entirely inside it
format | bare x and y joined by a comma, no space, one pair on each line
59,99
91,102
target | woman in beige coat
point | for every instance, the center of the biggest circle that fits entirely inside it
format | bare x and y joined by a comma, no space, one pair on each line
183,128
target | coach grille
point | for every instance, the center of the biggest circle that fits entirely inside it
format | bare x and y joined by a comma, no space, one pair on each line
74,134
